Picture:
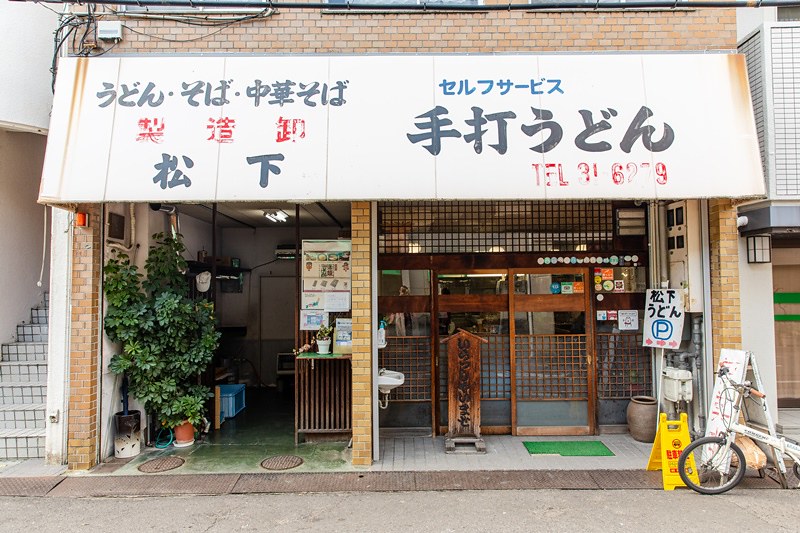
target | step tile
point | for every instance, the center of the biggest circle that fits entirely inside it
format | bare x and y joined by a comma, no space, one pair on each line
23,351
32,333
21,443
11,372
39,315
28,416
23,393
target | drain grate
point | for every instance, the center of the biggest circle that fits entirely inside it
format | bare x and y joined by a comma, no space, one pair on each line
281,462
161,464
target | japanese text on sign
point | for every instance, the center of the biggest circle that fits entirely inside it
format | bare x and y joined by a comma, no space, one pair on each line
663,318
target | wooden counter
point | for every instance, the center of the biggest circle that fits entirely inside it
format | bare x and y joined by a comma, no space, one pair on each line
323,395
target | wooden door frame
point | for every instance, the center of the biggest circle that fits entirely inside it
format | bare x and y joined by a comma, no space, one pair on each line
591,362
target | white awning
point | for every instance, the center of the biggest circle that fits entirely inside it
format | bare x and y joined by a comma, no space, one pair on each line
313,128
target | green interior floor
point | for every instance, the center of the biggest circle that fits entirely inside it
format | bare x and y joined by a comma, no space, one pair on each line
265,427
569,448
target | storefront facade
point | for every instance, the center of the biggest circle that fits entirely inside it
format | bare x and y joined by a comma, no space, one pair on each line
479,182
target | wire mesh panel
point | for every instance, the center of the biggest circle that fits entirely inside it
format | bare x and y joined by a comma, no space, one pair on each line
495,368
412,357
487,227
550,367
624,366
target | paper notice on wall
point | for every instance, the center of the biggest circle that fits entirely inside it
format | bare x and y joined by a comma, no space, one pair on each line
628,320
313,300
312,320
343,336
337,301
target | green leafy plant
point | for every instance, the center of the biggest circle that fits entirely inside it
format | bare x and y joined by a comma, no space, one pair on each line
166,338
324,332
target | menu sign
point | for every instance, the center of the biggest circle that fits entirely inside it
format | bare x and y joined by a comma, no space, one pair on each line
326,278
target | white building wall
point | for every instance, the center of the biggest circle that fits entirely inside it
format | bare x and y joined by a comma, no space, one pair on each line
26,54
748,19
22,220
758,320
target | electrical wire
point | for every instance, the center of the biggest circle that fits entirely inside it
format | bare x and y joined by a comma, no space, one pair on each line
44,247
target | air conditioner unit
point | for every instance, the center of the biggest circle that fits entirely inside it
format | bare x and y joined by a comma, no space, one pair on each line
286,251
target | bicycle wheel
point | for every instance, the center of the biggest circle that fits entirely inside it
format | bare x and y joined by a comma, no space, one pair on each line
710,476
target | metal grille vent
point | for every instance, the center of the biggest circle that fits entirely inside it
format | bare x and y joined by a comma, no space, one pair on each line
489,227
752,50
785,47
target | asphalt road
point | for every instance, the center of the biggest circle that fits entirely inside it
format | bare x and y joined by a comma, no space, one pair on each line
769,510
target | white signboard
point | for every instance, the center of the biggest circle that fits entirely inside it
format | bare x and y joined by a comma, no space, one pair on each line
663,318
401,127
628,320
721,409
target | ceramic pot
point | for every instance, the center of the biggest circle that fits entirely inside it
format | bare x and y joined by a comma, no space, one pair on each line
184,435
324,346
642,417
126,439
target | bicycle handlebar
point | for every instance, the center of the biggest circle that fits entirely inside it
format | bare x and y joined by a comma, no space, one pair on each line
748,388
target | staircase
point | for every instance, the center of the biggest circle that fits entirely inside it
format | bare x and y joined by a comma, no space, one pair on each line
23,389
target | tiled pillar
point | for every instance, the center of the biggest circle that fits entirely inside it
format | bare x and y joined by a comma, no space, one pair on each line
82,422
361,260
726,328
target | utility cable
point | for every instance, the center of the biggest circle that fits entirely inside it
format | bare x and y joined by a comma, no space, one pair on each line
44,247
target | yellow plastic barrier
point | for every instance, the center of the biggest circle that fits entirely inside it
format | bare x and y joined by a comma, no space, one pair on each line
672,437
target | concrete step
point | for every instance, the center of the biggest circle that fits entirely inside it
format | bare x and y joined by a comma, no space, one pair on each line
32,333
11,372
23,392
27,416
23,351
21,443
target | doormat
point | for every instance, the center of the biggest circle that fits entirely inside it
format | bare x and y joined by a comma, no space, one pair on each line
569,448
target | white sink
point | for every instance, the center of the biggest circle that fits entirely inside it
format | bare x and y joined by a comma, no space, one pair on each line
389,379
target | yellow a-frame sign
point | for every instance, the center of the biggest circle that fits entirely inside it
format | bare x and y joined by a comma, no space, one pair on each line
672,437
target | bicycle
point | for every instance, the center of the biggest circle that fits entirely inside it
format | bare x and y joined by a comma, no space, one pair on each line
706,465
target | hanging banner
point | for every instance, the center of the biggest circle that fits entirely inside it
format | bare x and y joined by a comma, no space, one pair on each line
663,318
370,127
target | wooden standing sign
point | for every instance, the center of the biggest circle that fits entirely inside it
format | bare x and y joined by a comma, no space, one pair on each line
464,391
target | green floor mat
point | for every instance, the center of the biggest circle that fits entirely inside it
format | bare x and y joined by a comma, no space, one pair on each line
569,448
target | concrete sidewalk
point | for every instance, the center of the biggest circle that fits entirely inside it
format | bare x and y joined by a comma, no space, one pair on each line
408,463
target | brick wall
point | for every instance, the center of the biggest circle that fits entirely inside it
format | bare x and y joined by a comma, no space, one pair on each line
726,328
84,343
361,261
327,32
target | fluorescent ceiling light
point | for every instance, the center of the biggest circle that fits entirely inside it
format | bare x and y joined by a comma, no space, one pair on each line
277,216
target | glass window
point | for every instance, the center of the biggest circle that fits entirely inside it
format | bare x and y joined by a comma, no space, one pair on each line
472,284
550,323
404,283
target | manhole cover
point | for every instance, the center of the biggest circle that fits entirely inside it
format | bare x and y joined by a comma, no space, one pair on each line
281,462
162,464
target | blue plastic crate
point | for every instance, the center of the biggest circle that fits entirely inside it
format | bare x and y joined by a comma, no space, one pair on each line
231,400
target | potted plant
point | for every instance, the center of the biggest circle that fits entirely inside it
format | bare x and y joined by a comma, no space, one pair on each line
166,339
324,339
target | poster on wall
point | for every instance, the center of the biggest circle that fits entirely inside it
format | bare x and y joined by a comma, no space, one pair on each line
312,320
663,318
326,276
343,340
